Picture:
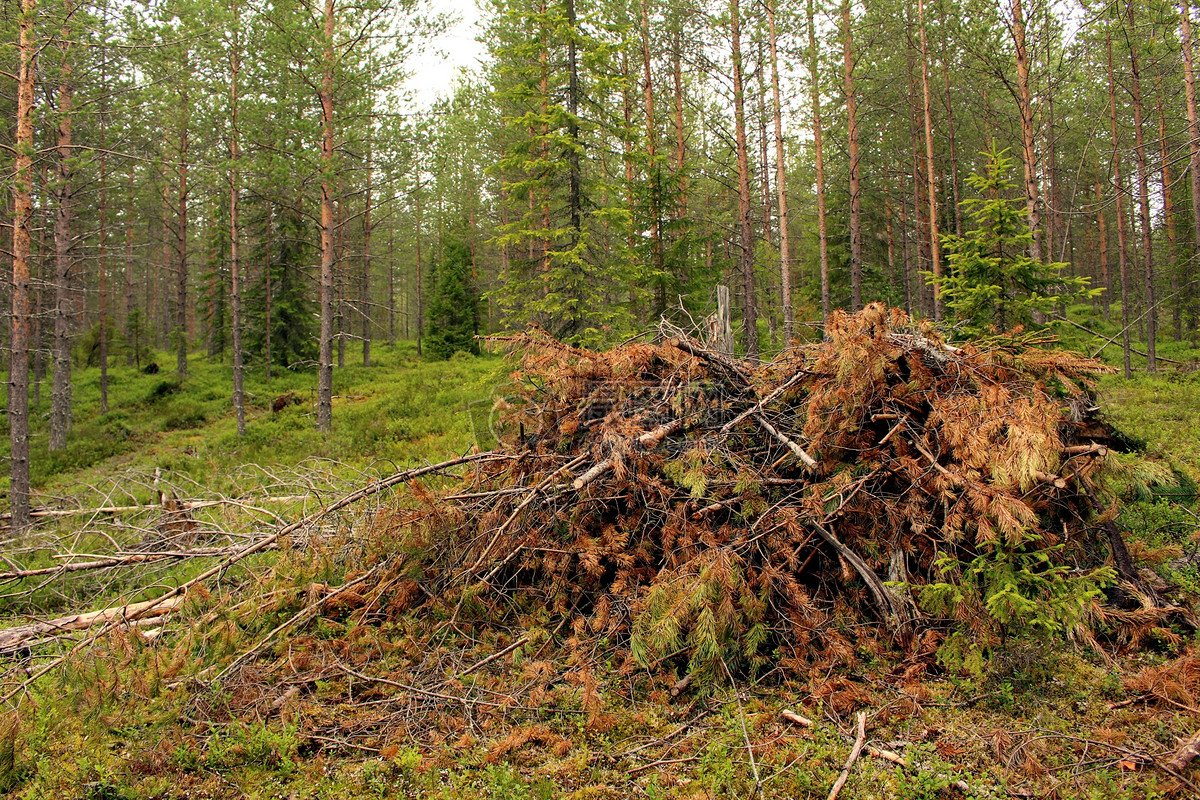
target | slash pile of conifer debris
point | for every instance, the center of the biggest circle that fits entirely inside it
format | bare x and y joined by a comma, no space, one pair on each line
710,511
880,489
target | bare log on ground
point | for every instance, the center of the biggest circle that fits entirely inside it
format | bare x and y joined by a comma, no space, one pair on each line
19,637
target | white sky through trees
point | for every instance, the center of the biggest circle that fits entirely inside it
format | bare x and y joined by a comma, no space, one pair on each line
435,70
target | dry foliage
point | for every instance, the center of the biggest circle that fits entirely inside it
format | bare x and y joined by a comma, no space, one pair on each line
709,511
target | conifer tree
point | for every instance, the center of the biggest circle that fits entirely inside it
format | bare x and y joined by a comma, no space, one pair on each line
993,283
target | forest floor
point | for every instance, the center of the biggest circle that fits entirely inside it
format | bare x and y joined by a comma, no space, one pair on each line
501,709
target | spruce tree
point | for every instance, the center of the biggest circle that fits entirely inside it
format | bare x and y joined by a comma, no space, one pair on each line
993,283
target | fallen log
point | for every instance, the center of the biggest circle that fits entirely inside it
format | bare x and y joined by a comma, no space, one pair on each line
13,639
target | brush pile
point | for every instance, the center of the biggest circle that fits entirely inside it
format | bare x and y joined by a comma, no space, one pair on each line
883,487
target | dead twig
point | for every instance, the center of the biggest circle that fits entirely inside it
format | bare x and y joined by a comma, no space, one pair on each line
859,741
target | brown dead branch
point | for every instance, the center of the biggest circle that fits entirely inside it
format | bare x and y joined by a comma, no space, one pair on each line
373,488
1189,750
118,560
859,741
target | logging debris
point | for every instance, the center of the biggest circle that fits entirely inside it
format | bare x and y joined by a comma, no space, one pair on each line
717,511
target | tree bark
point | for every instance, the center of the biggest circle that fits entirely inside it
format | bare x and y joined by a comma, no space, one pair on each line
1143,179
325,367
814,74
60,398
1122,222
22,189
745,232
1025,110
785,256
235,269
856,299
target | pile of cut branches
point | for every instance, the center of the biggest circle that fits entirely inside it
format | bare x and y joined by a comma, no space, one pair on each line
882,488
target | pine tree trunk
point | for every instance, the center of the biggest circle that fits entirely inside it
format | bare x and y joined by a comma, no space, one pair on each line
60,398
364,301
420,316
767,298
745,232
133,342
856,298
814,77
935,252
1193,120
657,258
1122,222
1164,152
785,256
325,367
267,289
102,246
1025,110
392,283
1102,238
1143,179
574,168
22,189
954,182
181,232
680,131
235,267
